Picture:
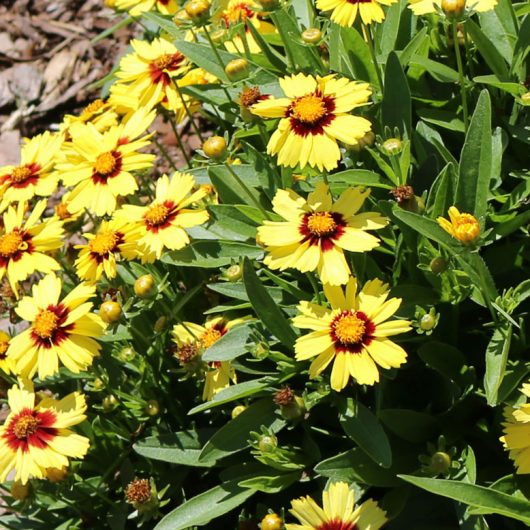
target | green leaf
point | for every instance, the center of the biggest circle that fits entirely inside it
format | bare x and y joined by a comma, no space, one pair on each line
233,436
361,177
496,359
413,46
209,505
442,192
231,345
396,106
211,254
474,176
265,307
410,425
274,58
438,71
491,80
229,189
360,424
488,50
181,448
442,118
388,32
489,500
273,483
234,392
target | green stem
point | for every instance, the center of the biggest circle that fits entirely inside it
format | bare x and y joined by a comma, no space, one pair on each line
460,76
187,111
165,154
179,140
247,191
218,57
374,57
285,40
315,287
468,52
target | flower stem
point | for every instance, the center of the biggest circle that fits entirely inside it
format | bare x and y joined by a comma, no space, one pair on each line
165,154
179,140
187,111
460,76
368,35
218,57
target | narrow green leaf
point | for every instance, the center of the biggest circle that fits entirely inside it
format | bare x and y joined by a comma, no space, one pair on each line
489,500
442,192
361,177
265,307
410,425
438,71
274,58
209,505
231,345
496,359
233,436
273,483
474,176
396,106
413,47
234,392
514,89
360,424
181,448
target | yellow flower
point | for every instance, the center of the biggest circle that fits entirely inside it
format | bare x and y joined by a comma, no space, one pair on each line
345,11
60,330
316,232
338,512
35,438
114,239
99,113
162,223
422,7
244,11
5,361
194,338
99,165
352,333
463,226
137,7
34,175
516,437
23,243
148,74
314,117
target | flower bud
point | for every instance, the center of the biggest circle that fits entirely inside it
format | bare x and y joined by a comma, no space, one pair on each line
109,402
198,11
312,36
19,491
260,350
233,273
152,408
215,147
181,18
525,98
427,322
127,353
218,35
453,8
144,286
392,146
294,410
139,493
237,410
160,324
440,462
237,69
267,443
56,474
272,521
438,265
110,311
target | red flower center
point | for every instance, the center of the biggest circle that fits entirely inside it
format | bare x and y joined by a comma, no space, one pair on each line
336,524
48,327
351,331
160,216
104,243
13,245
22,176
322,228
309,114
161,65
30,427
107,165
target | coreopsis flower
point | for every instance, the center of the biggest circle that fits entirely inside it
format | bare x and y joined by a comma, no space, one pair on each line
99,113
238,11
462,226
516,437
314,117
34,175
5,361
137,7
23,243
99,165
353,333
115,239
423,7
162,223
194,338
63,212
338,511
344,12
149,74
317,231
60,330
37,437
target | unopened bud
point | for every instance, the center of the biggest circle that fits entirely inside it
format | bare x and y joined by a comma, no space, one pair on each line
392,146
19,491
152,408
525,98
267,443
438,265
214,147
198,11
233,273
272,521
237,410
237,69
440,462
312,36
144,286
453,8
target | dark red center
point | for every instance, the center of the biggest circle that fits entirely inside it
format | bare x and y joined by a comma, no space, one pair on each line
30,427
324,239
344,346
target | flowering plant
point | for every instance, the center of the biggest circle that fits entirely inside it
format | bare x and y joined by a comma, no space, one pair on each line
328,300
